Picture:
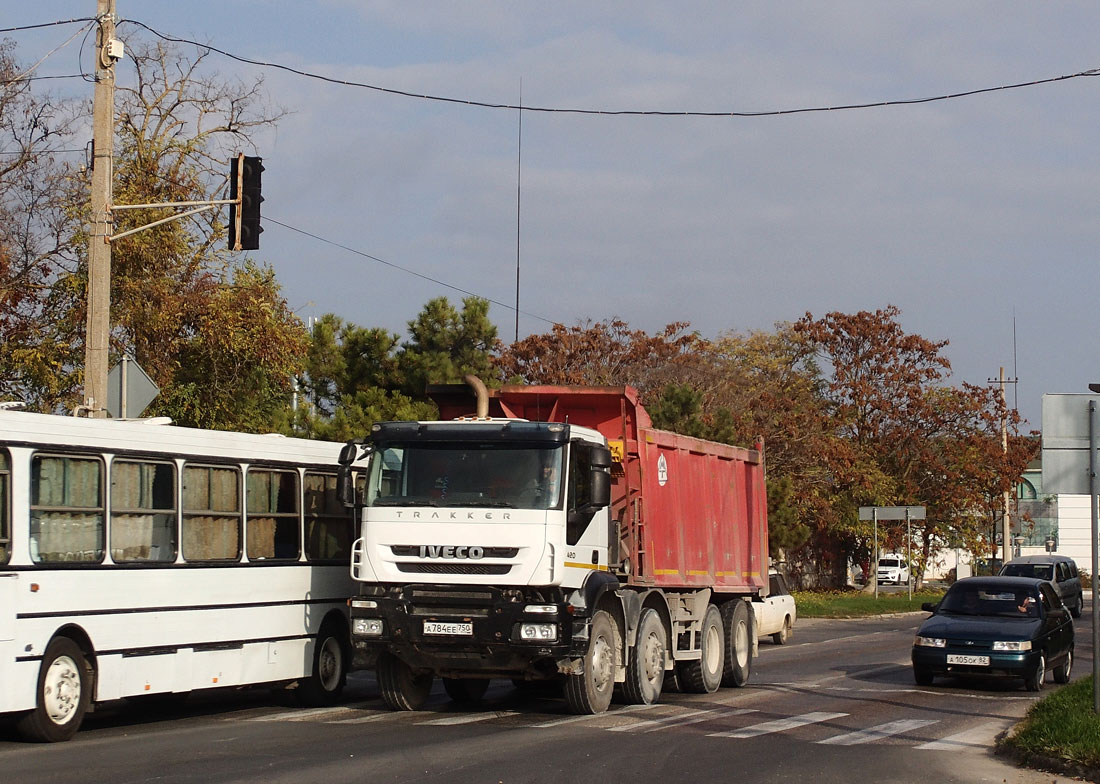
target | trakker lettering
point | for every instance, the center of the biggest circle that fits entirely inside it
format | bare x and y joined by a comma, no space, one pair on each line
451,551
436,515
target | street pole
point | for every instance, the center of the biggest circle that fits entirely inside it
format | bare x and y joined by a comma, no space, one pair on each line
99,245
1006,524
909,550
874,556
1094,489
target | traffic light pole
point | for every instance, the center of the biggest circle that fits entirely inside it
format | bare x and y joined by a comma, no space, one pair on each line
99,244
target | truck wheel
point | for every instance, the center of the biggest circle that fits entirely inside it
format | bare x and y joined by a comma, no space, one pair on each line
63,695
784,634
645,669
330,670
590,692
466,691
704,675
402,689
737,623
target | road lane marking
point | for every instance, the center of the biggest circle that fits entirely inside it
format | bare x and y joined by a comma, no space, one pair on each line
779,725
979,737
876,733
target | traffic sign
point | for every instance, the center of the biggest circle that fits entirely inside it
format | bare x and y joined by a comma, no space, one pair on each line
129,390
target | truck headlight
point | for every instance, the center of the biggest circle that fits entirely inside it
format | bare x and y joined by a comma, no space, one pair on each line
367,627
541,609
364,604
1012,645
929,642
544,632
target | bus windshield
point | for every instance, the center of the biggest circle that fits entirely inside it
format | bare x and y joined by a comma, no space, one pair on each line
514,476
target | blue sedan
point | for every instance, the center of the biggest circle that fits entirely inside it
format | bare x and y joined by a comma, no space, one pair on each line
986,626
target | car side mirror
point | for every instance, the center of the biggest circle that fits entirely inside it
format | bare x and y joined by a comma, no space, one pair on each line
930,606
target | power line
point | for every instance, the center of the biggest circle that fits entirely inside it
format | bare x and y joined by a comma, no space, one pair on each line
47,24
420,275
615,112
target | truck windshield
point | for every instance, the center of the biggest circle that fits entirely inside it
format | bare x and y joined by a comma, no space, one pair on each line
514,476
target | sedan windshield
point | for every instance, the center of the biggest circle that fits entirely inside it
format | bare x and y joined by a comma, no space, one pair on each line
975,600
513,476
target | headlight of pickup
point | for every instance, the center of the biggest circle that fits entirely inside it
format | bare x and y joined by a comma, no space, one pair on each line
929,642
1012,645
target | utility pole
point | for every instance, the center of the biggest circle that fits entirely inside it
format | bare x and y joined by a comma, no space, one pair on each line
108,52
1006,528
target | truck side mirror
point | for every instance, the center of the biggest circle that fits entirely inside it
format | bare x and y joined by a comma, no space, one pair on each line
345,482
601,488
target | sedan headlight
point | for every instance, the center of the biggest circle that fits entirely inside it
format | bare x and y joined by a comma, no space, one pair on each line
929,642
1012,645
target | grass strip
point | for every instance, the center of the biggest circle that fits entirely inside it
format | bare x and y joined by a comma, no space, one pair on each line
853,604
1062,726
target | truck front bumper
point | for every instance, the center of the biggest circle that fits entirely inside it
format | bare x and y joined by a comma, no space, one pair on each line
457,630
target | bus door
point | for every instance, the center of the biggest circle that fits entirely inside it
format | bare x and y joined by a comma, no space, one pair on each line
7,607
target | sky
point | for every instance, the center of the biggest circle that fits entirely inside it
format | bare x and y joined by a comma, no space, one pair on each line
974,215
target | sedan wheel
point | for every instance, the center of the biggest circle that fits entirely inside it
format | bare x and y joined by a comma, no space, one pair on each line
1034,681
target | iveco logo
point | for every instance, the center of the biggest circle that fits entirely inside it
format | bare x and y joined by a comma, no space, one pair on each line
451,551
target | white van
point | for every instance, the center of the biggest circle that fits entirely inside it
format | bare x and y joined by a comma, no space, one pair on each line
893,568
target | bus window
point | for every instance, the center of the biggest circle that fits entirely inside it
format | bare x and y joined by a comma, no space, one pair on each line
66,509
211,513
5,509
328,523
143,511
272,504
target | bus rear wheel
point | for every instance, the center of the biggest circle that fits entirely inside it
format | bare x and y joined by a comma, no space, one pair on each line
326,681
63,695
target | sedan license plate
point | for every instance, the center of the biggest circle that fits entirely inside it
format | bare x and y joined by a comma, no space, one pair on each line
973,661
451,629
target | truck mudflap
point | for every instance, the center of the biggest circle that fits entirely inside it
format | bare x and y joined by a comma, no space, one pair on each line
457,630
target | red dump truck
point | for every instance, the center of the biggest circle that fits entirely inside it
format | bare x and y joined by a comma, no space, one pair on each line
551,533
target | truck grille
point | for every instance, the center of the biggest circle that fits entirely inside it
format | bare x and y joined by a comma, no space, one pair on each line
452,568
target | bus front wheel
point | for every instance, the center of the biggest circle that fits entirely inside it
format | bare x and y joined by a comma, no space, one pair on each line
326,681
63,694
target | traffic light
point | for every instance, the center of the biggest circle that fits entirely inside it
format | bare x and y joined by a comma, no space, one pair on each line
244,219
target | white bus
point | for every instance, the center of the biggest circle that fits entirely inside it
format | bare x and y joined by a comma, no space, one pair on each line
139,558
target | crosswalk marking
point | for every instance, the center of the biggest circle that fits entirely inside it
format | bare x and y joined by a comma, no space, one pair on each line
779,725
875,733
981,736
363,719
300,715
679,720
571,719
468,718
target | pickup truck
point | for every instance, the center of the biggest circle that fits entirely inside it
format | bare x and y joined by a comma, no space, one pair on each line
776,613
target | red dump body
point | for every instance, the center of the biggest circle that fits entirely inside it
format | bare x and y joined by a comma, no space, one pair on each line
691,513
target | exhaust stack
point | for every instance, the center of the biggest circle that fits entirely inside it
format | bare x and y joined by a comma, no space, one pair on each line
482,393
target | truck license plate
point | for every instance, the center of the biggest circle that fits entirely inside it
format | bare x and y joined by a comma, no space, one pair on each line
974,661
454,629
